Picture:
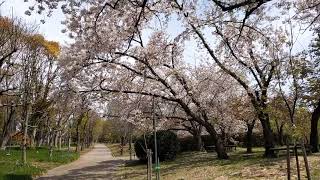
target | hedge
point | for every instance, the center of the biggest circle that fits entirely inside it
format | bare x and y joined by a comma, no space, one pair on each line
167,141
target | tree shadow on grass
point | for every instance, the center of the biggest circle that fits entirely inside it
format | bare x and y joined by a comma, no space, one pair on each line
103,170
191,160
17,177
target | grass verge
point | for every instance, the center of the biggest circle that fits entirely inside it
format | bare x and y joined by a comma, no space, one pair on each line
115,149
38,162
203,166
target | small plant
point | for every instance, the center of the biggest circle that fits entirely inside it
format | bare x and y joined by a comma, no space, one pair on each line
168,145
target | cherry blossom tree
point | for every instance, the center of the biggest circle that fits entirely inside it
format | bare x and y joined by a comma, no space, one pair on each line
242,38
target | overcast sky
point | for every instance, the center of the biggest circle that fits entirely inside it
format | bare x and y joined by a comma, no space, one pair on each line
51,29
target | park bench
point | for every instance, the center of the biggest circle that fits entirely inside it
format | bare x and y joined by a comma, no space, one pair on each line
230,147
210,148
227,147
291,149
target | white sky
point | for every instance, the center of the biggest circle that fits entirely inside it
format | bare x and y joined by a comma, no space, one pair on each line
51,29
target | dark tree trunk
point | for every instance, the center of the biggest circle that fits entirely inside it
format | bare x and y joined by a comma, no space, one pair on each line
269,140
78,148
221,151
197,139
199,142
314,137
121,145
7,129
280,135
249,137
41,138
78,138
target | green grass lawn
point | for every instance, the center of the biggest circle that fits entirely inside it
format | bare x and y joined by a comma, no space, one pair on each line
115,149
202,166
38,162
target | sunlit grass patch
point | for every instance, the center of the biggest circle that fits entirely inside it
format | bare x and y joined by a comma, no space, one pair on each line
202,166
38,162
115,149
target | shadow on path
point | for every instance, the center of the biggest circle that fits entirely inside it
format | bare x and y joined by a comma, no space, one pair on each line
103,170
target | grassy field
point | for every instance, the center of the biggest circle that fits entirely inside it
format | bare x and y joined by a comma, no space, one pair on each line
115,149
202,166
38,162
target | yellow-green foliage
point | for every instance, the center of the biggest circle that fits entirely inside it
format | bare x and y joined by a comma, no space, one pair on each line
36,41
98,127
301,128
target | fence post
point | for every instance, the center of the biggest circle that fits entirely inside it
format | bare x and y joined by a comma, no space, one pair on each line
305,160
297,160
149,166
130,147
288,161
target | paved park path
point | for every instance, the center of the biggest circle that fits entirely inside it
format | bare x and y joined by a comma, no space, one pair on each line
96,164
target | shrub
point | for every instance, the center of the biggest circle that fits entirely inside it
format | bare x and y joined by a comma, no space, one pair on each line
207,140
257,139
168,145
188,143
140,149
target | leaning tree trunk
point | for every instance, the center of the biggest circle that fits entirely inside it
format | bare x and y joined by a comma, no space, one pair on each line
221,151
314,137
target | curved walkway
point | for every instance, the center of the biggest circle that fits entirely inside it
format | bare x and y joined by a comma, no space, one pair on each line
96,164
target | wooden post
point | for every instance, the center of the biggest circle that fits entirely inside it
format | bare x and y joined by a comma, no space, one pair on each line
305,160
297,161
149,166
288,161
121,145
130,147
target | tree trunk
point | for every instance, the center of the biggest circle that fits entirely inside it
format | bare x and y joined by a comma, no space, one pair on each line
269,141
199,141
249,137
121,145
7,129
314,137
78,134
69,142
33,137
221,151
56,138
51,146
59,141
4,141
25,136
78,141
280,135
